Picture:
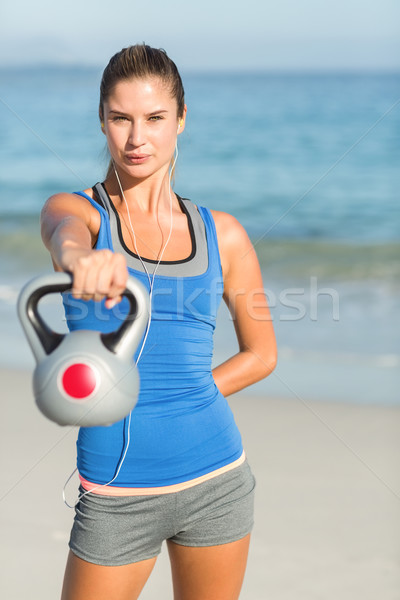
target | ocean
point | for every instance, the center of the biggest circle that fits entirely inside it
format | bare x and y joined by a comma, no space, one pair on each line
309,164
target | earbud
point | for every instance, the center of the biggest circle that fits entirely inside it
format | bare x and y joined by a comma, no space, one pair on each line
102,124
180,124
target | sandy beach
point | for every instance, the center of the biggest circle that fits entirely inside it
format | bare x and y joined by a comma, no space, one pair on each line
327,508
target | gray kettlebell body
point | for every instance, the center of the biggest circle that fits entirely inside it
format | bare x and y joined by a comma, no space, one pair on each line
85,377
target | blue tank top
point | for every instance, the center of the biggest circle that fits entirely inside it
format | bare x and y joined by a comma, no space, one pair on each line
182,426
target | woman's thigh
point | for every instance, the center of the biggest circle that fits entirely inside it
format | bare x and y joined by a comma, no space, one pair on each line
219,511
209,554
208,573
86,581
114,531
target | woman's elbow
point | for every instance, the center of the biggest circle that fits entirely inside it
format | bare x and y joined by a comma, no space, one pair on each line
265,363
270,363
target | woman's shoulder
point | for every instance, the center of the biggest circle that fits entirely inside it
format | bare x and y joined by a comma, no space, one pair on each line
233,241
64,204
74,200
230,231
71,197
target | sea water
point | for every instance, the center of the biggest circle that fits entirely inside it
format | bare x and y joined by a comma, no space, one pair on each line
308,163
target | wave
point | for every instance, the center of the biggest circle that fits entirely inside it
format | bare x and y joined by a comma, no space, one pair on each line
326,259
384,360
22,250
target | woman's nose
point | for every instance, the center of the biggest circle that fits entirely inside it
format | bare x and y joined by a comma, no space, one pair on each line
136,134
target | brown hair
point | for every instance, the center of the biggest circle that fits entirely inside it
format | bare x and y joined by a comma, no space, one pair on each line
138,62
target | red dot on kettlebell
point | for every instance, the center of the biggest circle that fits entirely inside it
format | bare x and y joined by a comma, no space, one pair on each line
79,380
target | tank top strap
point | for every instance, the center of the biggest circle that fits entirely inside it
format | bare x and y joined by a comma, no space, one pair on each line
98,198
104,238
103,197
94,202
212,239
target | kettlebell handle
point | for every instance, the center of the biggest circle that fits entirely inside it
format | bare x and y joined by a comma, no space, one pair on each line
44,340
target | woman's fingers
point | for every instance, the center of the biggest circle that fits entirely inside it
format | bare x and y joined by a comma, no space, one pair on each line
99,274
79,269
118,280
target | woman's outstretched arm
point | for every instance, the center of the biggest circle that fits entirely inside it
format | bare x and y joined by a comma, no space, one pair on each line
69,227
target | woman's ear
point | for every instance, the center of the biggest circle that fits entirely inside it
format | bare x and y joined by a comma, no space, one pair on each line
101,122
182,121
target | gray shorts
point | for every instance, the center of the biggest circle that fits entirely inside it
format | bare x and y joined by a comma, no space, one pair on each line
112,531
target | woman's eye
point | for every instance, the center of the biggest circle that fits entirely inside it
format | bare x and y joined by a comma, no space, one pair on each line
117,119
155,118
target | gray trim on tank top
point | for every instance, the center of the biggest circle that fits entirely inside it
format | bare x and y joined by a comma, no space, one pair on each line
195,264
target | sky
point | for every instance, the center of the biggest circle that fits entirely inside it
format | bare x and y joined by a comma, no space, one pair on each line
291,35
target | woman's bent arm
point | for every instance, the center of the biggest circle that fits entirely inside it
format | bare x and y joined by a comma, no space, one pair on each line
247,303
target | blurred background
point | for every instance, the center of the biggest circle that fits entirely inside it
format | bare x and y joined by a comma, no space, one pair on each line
293,126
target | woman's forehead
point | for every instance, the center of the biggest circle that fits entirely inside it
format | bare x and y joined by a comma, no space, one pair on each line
141,91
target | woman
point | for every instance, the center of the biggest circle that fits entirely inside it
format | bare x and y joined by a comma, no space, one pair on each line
174,469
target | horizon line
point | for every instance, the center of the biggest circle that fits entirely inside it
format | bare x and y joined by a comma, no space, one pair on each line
210,70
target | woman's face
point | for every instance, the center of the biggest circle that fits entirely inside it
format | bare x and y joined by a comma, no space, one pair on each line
141,125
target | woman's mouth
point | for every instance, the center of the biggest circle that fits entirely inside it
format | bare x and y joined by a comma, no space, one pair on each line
137,159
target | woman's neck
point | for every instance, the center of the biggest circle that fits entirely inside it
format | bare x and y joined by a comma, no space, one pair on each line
150,196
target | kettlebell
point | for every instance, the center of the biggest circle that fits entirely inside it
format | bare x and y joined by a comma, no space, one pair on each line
85,377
